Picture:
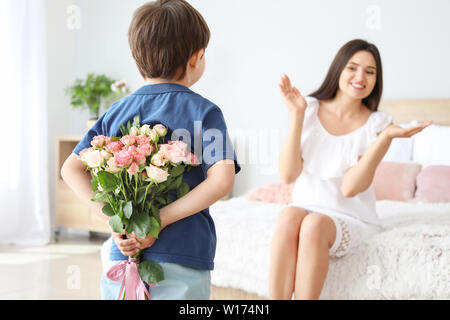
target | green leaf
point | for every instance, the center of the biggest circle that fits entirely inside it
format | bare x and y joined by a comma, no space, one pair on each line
100,197
140,224
128,209
141,194
94,184
116,224
108,210
182,190
170,199
151,272
115,139
123,130
161,200
136,121
177,183
155,227
108,181
176,171
155,213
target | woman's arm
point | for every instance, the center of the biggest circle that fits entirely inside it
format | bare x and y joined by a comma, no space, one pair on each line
359,178
290,163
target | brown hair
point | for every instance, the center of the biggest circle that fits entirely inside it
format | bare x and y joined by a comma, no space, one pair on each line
163,36
330,85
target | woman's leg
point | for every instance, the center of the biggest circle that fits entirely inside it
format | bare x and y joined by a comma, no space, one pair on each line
317,236
283,253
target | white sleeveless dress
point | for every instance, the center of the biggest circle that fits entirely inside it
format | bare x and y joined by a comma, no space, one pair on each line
326,159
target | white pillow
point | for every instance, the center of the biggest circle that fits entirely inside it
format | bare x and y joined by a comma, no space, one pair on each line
401,149
432,146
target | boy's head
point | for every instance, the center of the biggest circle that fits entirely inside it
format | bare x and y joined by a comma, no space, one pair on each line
164,35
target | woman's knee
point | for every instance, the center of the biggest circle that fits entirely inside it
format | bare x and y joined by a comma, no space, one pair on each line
317,230
289,221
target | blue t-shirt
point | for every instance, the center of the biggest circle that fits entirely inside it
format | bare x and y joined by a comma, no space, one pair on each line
200,124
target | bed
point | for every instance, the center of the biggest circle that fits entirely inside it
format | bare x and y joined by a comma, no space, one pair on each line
409,259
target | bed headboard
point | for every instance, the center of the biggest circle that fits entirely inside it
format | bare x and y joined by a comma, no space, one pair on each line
405,111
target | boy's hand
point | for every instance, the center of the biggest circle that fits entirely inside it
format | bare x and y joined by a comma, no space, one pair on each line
142,244
128,246
133,244
291,96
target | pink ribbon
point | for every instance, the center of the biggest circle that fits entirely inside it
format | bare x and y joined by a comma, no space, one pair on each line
127,272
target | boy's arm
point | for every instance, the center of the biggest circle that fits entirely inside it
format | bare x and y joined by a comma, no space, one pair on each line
219,182
78,179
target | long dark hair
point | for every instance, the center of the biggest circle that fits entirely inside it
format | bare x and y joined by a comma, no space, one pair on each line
330,85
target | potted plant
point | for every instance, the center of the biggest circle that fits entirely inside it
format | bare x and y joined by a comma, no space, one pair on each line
94,93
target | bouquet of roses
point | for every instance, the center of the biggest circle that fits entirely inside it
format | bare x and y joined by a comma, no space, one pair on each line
133,175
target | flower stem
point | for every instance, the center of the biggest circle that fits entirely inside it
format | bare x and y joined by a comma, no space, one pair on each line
122,189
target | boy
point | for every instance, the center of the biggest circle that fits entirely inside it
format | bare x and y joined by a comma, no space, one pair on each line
168,39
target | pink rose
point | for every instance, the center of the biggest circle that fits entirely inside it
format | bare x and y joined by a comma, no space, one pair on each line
82,152
178,144
192,160
124,158
134,131
174,151
160,130
159,160
146,149
133,169
114,146
143,140
93,159
128,140
156,174
99,141
145,129
112,166
139,157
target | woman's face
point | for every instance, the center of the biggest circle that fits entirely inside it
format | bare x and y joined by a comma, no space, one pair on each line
359,75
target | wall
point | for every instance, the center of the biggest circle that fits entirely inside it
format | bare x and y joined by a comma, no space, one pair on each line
253,43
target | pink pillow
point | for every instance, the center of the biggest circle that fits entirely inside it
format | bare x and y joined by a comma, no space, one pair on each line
272,193
433,184
395,180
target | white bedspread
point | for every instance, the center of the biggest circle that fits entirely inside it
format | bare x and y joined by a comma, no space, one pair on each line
410,259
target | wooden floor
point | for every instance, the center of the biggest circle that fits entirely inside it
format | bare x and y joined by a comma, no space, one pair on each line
220,293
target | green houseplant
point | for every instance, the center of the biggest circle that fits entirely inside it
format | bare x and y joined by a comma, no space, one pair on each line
95,92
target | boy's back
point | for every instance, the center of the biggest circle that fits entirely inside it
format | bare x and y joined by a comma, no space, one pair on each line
190,241
168,39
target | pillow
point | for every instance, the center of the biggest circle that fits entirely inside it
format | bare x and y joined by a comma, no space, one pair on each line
401,149
272,193
433,184
431,146
395,180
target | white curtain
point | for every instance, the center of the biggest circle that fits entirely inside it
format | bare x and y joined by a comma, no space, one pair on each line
24,200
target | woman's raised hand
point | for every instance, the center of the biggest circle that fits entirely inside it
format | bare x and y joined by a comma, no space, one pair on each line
394,131
291,96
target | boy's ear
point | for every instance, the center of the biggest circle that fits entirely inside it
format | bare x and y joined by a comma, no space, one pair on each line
196,57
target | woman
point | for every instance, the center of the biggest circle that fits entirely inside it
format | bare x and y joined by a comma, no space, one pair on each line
336,140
